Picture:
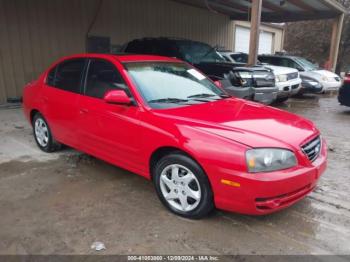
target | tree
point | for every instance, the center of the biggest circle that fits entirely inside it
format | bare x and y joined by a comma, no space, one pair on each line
311,39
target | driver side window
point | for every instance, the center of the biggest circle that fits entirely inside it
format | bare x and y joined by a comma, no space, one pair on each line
102,77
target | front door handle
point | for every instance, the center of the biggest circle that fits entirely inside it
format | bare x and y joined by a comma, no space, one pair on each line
84,111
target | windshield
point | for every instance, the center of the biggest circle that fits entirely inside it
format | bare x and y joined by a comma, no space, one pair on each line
168,84
240,58
195,53
306,64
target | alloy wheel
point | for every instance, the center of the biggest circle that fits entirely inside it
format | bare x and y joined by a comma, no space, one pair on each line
41,132
180,187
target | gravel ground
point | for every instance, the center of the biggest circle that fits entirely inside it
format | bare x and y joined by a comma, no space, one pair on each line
63,202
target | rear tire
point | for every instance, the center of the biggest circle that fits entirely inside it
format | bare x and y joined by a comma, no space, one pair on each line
42,134
182,186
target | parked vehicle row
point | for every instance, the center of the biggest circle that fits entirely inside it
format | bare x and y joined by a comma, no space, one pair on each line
308,71
274,78
287,79
163,119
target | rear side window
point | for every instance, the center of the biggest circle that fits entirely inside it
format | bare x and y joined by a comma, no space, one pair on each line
51,77
102,77
68,75
287,62
268,60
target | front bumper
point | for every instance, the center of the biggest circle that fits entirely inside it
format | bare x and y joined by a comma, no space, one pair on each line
288,88
240,92
306,87
331,86
264,193
265,95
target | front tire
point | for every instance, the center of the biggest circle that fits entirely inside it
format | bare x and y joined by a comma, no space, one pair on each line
282,99
182,186
42,134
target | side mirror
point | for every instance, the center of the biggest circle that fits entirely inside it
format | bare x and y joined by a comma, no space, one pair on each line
218,83
118,97
300,69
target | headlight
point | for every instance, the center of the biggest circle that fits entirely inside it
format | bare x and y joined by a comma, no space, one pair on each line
324,78
245,74
269,159
281,78
311,82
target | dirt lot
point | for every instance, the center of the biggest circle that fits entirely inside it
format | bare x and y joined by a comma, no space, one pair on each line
62,202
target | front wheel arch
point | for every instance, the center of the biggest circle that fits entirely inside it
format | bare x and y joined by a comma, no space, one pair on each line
160,152
206,204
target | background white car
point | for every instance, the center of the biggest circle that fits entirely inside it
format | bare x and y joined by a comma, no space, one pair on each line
288,79
328,79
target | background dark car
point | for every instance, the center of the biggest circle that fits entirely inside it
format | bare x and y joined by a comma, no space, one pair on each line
210,62
344,91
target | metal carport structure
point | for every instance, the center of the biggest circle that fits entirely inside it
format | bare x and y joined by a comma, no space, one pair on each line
279,11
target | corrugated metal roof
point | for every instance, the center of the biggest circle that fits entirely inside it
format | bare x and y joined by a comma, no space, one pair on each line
273,10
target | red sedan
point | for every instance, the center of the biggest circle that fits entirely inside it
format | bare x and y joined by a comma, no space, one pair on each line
163,119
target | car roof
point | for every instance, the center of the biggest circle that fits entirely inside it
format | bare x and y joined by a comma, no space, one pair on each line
232,53
278,56
124,57
168,39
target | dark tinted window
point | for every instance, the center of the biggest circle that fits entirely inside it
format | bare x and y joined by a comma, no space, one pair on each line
287,62
268,60
102,77
51,77
69,74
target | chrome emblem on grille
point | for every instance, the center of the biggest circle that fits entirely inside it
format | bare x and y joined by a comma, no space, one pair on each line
317,149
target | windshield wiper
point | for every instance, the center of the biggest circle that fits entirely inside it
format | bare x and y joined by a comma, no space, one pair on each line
203,95
168,100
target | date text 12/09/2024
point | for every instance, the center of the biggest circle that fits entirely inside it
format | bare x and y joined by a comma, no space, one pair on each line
173,258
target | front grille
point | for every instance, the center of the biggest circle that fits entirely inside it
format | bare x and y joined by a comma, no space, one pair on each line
263,79
291,76
312,148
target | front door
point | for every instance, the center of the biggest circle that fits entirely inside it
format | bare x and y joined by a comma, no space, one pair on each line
108,131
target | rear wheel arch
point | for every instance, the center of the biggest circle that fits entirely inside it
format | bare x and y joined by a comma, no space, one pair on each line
33,112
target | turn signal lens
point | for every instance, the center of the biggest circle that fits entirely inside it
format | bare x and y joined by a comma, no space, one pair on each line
230,183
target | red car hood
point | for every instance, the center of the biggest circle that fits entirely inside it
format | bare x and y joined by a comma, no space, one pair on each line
249,123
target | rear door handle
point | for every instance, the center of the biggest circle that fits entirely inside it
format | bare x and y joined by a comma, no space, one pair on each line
84,111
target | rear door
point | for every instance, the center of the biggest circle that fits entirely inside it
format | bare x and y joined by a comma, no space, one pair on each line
108,131
61,93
